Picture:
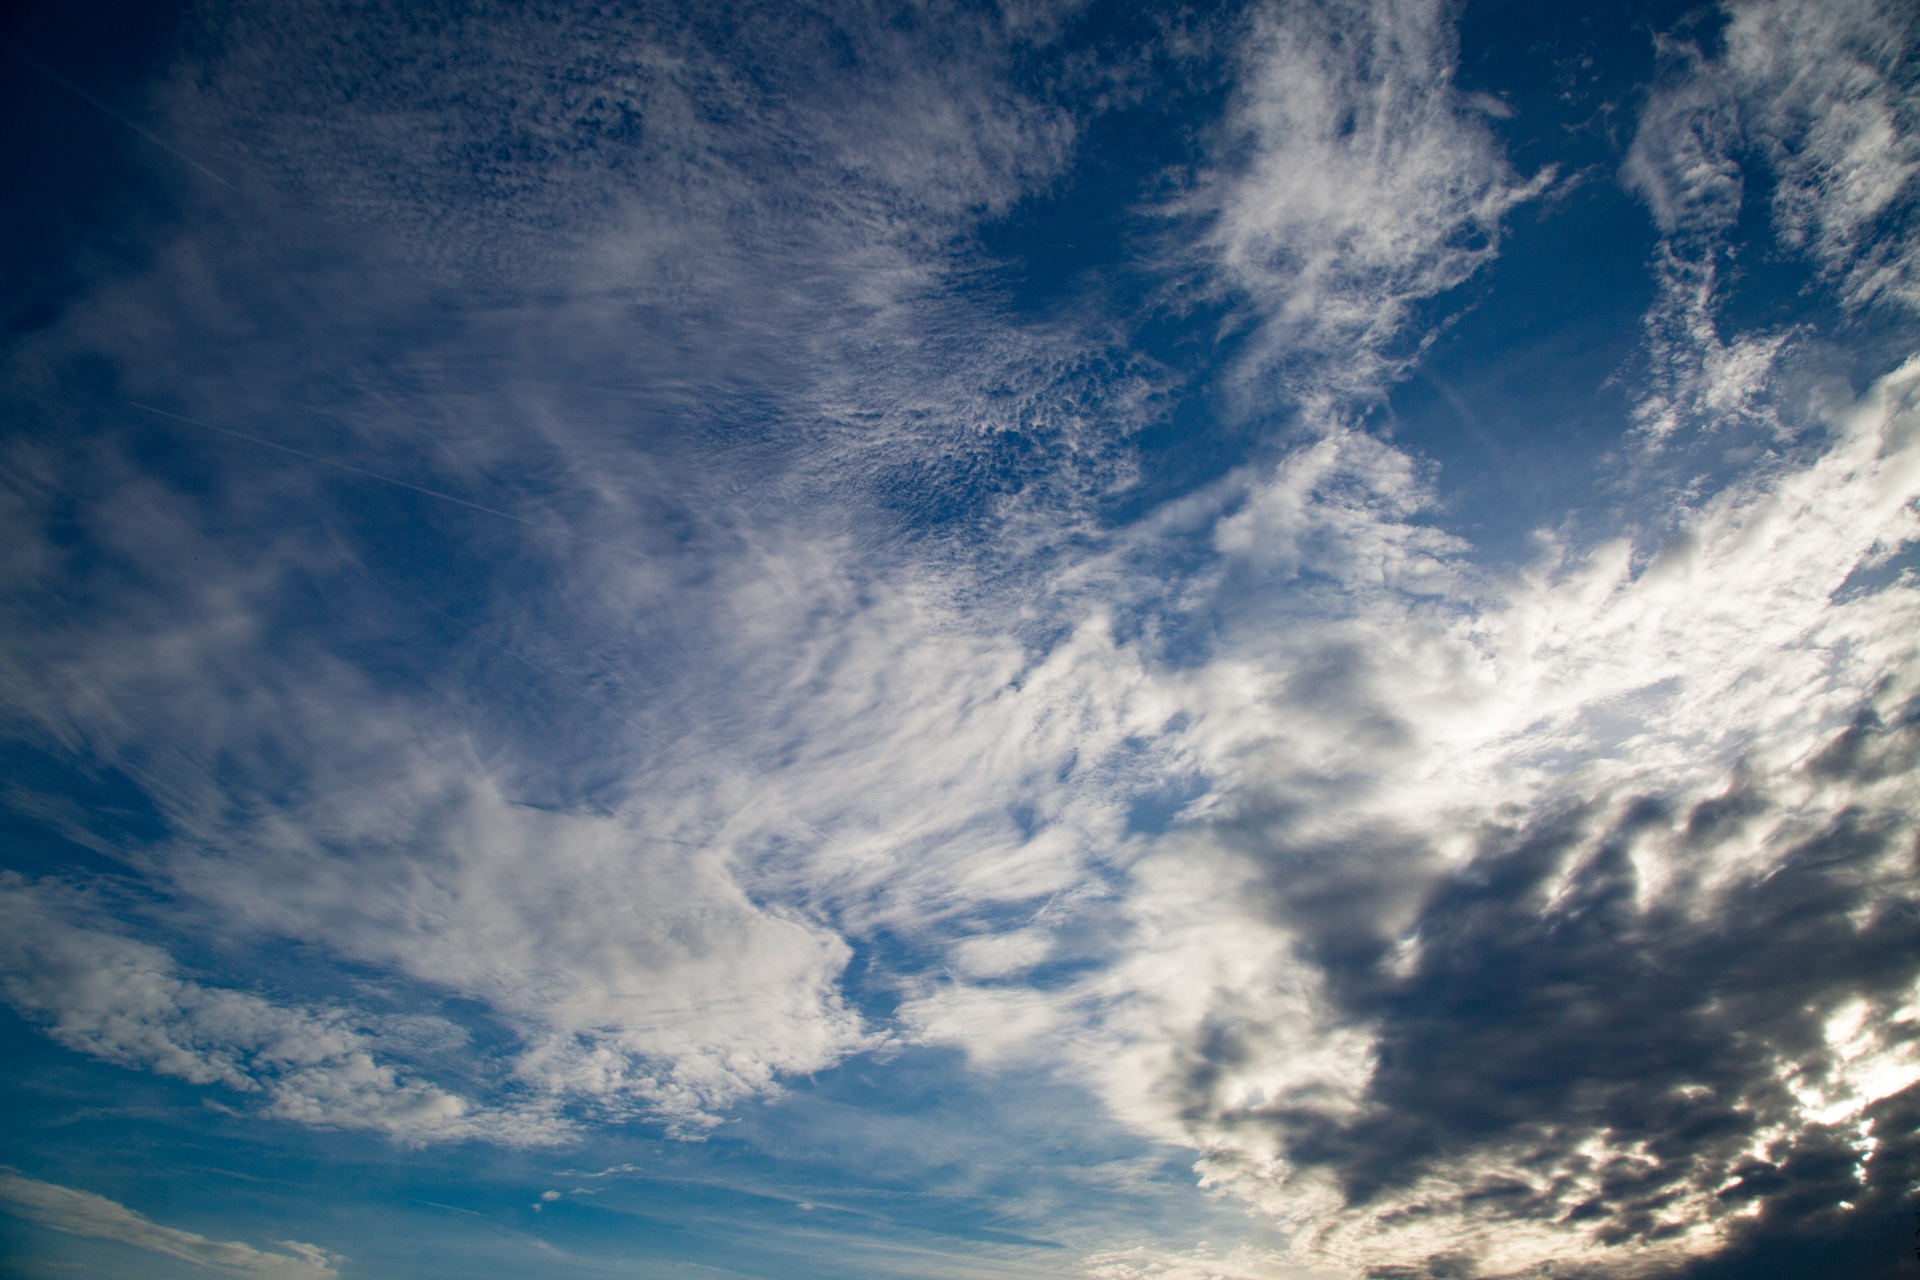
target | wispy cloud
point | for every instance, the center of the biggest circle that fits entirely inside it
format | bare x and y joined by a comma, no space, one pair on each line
124,1001
1204,1262
1355,182
506,143
1821,97
621,944
1828,95
1685,163
82,1213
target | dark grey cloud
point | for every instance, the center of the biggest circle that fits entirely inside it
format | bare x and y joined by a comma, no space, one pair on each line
1565,1051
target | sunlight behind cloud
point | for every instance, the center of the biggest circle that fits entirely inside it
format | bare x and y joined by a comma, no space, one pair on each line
842,640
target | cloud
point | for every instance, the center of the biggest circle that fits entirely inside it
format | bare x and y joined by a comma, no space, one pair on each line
502,144
1710,683
1830,97
1684,162
594,885
600,860
637,974
123,1001
1355,181
1521,920
1203,1262
1457,921
1824,97
1578,1068
82,1213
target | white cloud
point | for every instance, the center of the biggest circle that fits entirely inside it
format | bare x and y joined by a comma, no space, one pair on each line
1682,161
1204,1261
1355,182
1683,164
1825,94
796,736
123,1001
650,954
1828,92
622,949
504,143
82,1213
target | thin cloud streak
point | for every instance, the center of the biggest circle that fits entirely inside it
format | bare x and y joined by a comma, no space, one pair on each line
71,87
83,1213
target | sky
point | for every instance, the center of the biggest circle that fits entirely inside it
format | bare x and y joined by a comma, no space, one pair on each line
1273,640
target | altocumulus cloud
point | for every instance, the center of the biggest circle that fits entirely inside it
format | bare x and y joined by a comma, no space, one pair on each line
123,1001
1462,920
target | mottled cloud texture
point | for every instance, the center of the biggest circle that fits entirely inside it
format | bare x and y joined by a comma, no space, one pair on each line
1461,920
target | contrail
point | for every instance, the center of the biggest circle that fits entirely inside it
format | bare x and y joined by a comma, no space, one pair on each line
400,484
61,80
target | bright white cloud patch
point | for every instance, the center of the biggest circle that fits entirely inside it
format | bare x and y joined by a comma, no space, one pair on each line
1357,182
639,973
1827,95
642,980
124,1001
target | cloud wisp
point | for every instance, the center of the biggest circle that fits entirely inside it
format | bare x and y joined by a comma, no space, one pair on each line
1827,102
82,1213
124,1002
1356,182
1620,766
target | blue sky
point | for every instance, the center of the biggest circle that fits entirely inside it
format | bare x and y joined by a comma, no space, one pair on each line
1259,641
